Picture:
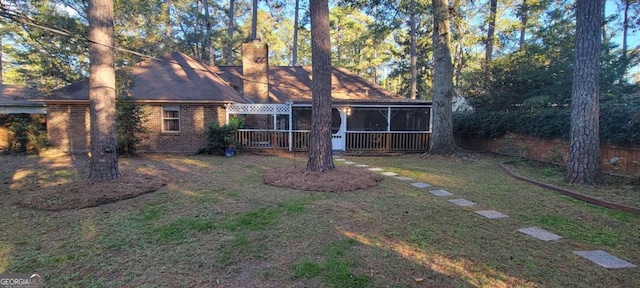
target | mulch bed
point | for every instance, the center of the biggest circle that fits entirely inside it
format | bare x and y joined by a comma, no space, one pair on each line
340,179
76,195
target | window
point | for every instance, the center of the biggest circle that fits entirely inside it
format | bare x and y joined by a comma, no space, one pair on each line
171,118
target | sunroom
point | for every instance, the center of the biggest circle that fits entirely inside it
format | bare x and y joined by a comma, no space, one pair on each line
357,127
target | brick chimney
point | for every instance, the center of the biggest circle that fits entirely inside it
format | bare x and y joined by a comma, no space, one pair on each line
255,65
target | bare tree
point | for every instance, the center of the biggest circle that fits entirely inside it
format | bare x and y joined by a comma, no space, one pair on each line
320,136
102,93
584,149
442,142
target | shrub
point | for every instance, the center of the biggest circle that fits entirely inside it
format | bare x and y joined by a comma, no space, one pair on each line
27,133
619,123
219,137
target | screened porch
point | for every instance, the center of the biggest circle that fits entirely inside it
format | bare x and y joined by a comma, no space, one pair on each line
358,128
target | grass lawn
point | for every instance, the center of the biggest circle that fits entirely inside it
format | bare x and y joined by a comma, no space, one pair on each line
215,224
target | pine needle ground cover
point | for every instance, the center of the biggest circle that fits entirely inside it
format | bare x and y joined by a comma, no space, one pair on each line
215,223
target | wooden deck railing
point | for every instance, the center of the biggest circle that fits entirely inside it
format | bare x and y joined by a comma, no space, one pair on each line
355,141
388,141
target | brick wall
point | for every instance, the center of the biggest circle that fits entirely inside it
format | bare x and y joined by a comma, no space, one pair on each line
255,66
193,121
555,151
68,128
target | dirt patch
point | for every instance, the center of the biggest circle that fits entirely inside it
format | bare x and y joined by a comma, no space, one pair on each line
339,179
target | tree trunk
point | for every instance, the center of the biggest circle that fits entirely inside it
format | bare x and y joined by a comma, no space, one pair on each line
524,13
167,28
1,77
254,20
625,31
584,143
412,53
320,136
294,60
442,142
491,30
102,93
207,38
230,32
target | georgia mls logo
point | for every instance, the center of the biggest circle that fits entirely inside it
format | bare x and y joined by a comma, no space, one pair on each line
21,281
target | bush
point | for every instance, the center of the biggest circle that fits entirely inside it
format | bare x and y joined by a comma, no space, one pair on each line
130,120
619,123
219,137
27,133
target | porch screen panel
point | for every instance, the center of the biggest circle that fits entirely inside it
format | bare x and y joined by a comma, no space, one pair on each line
256,121
282,122
301,118
410,119
367,119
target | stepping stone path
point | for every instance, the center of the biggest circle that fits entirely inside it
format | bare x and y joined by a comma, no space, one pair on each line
441,193
598,257
462,202
540,233
604,259
421,185
492,214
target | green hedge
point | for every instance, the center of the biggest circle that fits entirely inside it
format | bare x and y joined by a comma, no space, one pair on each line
619,123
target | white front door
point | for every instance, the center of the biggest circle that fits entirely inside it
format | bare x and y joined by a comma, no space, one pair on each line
338,127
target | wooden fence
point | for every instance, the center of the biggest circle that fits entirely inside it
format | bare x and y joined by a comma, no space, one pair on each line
555,151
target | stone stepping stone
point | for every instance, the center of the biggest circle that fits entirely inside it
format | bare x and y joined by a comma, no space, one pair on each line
492,214
421,185
349,162
340,159
389,173
441,193
376,169
462,202
362,165
604,259
540,233
403,178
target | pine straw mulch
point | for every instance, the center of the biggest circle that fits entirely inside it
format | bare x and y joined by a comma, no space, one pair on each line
340,179
87,193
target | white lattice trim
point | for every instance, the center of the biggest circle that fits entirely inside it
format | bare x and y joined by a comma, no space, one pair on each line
259,109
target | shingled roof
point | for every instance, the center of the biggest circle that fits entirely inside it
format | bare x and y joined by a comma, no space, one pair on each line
293,83
18,99
174,77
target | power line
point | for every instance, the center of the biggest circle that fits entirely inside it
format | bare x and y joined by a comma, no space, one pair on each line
16,17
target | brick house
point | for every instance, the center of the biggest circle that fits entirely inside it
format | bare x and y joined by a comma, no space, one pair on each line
180,96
